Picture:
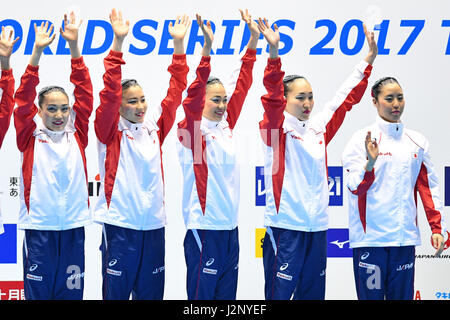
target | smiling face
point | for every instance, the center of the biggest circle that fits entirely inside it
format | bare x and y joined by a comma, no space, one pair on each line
390,102
299,99
215,102
55,110
134,106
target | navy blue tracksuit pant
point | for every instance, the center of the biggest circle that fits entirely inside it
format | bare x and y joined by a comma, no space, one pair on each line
133,263
294,264
384,272
53,264
212,258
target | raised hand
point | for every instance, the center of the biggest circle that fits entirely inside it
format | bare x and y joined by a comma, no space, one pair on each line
6,47
120,28
6,43
43,38
373,48
371,150
272,36
41,41
178,32
208,34
252,25
70,33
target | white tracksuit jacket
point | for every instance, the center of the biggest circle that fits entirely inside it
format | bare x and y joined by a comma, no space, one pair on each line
130,156
207,151
383,202
53,178
296,177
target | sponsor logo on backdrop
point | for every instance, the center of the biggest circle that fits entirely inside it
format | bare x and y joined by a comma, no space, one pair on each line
442,295
338,244
260,189
8,244
335,178
11,290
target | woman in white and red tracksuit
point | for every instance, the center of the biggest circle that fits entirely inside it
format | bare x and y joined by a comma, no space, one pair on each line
387,166
211,174
54,199
131,201
296,180
6,89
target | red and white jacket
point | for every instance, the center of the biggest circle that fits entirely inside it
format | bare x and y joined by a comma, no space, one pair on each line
295,168
130,157
383,202
53,179
6,109
208,152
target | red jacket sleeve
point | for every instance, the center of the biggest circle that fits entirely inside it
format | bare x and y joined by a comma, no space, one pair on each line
243,84
83,98
26,109
348,95
273,102
193,104
178,82
107,114
6,102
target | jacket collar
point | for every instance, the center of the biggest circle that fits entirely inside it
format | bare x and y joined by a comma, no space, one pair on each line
294,123
124,124
394,130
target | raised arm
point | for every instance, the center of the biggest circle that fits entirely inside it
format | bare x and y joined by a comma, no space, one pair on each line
274,101
178,81
26,93
351,91
193,104
243,80
107,114
81,79
6,82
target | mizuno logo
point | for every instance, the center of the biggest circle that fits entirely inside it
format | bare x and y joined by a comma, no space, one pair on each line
340,244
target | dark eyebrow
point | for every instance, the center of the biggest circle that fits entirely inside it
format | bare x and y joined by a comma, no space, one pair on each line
57,105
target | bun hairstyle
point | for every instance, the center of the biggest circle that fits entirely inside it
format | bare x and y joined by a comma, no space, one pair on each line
287,81
213,80
127,83
380,83
49,89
